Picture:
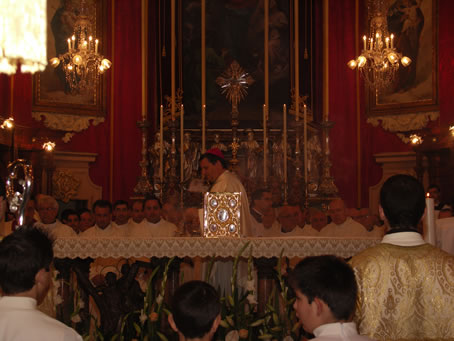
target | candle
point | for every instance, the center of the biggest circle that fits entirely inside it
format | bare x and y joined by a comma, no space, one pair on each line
161,144
90,42
364,41
429,221
305,147
96,45
371,43
73,38
181,143
69,45
285,144
392,39
265,145
203,127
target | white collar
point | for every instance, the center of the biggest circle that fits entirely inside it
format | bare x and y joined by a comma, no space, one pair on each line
18,302
342,329
404,239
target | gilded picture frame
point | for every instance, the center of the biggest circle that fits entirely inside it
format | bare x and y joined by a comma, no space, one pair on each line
49,93
415,90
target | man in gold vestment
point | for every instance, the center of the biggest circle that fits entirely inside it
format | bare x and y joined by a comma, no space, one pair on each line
405,286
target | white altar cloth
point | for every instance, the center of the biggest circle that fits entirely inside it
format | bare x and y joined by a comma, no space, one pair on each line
207,247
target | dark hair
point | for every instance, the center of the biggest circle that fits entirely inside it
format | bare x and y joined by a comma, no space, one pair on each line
402,198
83,210
195,306
152,197
102,204
330,279
66,213
434,186
213,159
141,201
258,193
22,255
120,202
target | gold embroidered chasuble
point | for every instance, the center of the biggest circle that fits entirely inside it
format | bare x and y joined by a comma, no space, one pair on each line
405,292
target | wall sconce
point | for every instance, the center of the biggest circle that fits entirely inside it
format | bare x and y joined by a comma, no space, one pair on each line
415,139
49,146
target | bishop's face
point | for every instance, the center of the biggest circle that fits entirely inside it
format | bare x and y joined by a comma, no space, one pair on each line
210,171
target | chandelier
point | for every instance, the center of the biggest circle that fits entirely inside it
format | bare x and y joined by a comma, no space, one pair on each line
379,59
82,63
23,30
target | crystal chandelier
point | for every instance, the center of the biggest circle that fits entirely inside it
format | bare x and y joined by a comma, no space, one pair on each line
23,30
379,59
82,63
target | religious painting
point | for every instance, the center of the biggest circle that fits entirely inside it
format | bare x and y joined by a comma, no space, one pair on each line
51,93
415,89
235,32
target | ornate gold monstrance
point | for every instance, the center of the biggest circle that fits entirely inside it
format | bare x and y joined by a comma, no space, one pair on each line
234,83
221,215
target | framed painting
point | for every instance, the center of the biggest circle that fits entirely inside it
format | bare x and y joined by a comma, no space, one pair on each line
50,91
415,89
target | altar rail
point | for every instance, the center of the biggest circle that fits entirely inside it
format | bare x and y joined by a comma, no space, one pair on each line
207,247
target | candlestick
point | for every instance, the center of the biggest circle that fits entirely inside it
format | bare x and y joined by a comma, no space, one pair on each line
429,221
387,42
285,143
182,143
203,128
305,148
96,45
392,39
73,42
69,45
265,146
364,41
161,144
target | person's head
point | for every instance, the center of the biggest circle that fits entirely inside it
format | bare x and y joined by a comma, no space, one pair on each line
262,200
152,209
121,212
326,290
434,192
337,211
212,164
269,218
318,219
102,210
47,209
288,217
71,218
402,202
86,219
196,309
445,213
191,221
137,213
25,259
172,213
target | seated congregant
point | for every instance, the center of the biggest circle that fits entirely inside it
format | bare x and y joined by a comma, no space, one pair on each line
48,210
153,226
406,286
342,225
103,227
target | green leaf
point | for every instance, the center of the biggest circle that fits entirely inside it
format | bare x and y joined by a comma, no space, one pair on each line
224,324
265,336
161,336
257,323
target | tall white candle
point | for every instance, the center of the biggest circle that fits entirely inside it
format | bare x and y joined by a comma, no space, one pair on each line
96,45
285,143
364,41
69,45
161,145
182,143
265,146
429,221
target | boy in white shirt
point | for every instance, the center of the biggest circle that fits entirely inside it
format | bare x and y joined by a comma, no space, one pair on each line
326,290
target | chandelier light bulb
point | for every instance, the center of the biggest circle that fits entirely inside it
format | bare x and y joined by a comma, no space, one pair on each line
352,64
405,61
77,60
415,139
49,146
106,63
101,69
55,62
361,61
8,123
69,67
392,57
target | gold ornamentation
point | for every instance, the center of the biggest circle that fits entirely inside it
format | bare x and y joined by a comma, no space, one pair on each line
403,123
405,293
65,185
222,215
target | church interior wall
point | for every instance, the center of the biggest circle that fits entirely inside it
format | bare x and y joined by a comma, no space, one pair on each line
117,141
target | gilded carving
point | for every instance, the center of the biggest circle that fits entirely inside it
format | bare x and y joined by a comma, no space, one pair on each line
65,185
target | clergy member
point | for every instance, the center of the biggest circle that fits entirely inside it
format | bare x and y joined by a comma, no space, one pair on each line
342,225
48,210
103,227
214,169
405,286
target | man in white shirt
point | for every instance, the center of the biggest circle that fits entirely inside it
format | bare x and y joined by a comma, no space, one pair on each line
153,226
137,213
214,170
103,227
342,225
261,203
48,210
25,278
121,213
